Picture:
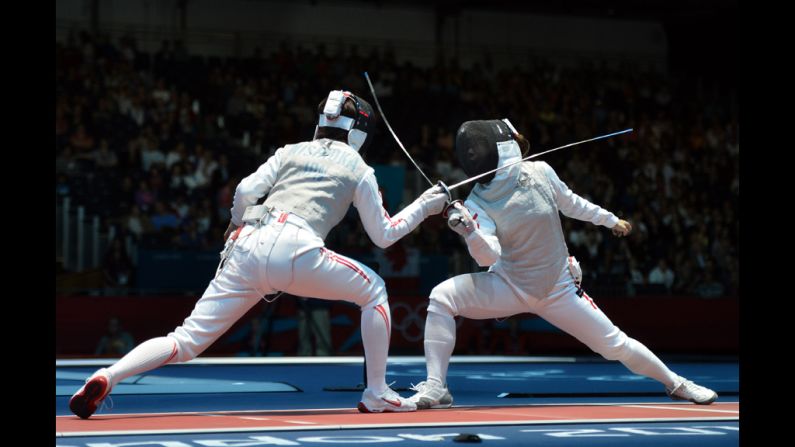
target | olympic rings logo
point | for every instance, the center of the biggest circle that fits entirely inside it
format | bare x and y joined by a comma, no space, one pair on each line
407,320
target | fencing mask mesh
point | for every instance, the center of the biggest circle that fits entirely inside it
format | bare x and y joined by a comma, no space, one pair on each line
476,146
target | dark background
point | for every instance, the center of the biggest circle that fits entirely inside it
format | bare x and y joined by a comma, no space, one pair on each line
695,230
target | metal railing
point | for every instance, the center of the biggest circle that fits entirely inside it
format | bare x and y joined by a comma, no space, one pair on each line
80,241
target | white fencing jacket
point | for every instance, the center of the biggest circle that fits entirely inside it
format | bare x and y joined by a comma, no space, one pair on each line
318,181
518,231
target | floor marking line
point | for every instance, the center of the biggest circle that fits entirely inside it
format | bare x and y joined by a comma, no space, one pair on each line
683,409
351,409
552,418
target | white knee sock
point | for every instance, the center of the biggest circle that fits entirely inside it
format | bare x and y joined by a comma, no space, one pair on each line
439,344
640,360
147,356
376,327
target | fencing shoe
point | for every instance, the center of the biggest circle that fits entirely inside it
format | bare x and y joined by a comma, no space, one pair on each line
431,395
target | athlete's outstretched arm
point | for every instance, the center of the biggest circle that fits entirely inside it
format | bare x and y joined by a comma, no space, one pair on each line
254,187
383,229
574,206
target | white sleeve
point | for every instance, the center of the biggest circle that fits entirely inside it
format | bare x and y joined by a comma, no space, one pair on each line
574,206
382,229
254,187
483,245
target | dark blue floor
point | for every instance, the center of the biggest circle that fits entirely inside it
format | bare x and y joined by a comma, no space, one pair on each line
678,434
470,384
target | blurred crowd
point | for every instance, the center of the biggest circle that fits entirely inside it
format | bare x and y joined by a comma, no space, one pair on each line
156,143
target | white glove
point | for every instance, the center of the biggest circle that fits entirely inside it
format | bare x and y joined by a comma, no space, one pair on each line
433,200
460,220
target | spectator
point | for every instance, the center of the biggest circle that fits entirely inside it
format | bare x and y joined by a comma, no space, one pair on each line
224,199
176,155
137,223
177,180
661,274
104,158
709,287
314,325
144,197
205,168
81,140
65,162
164,217
116,342
151,154
635,277
117,266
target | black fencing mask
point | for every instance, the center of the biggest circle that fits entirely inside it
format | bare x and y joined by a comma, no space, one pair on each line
476,146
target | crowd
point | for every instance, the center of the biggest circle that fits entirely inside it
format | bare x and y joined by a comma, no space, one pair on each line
156,143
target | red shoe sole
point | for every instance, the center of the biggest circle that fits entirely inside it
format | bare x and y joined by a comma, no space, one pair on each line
84,404
363,409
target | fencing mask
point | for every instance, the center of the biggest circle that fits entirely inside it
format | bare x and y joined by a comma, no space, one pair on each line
359,126
476,145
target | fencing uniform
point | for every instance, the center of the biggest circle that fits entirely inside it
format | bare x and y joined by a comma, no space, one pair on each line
278,247
518,234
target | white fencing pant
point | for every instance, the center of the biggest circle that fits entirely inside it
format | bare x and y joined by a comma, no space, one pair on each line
489,295
285,255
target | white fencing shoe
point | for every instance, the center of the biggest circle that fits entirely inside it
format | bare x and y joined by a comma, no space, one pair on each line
431,395
388,401
688,390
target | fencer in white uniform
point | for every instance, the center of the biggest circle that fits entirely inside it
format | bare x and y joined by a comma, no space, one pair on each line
278,247
511,223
